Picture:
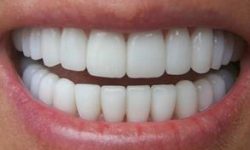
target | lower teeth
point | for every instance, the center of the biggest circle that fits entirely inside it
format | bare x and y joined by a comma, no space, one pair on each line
134,103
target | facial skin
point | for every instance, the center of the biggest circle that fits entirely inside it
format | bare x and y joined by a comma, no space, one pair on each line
122,15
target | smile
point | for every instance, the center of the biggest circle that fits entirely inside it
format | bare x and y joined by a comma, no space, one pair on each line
142,55
126,81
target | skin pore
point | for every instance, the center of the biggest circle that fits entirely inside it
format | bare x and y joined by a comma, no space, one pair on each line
126,15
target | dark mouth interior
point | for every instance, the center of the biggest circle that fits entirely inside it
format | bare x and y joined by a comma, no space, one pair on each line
85,77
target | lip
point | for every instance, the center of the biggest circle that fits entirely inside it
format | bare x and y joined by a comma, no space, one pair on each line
58,130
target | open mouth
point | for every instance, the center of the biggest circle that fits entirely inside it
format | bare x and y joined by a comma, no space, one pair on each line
141,67
128,81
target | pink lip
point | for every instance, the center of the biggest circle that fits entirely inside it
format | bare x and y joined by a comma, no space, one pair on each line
61,131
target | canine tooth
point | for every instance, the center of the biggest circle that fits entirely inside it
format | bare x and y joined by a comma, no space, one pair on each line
46,88
50,46
229,47
17,39
138,103
179,52
28,73
64,96
106,54
36,80
163,102
26,42
186,104
202,40
218,49
73,49
113,99
205,93
218,84
146,55
88,101
227,77
35,44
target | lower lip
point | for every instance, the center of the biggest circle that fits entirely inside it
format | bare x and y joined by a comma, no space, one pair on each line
61,131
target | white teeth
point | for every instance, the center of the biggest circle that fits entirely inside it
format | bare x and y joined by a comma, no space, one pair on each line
35,81
138,103
218,84
229,47
228,78
106,54
50,46
35,44
64,96
163,102
17,36
46,88
88,101
113,100
28,73
179,53
205,94
186,104
146,55
202,39
218,49
73,49
26,42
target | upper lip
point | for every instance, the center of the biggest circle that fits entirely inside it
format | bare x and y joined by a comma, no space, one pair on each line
126,15
137,15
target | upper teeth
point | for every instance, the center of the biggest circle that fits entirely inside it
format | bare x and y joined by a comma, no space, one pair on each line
143,55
